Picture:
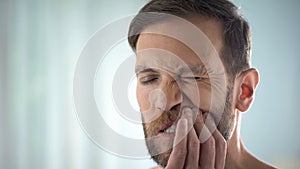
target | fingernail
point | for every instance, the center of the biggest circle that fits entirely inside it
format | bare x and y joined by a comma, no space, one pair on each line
196,110
210,122
188,112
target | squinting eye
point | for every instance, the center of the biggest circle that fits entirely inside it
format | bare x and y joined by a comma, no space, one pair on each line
148,80
193,78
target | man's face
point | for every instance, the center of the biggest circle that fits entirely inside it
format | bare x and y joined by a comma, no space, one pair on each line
170,76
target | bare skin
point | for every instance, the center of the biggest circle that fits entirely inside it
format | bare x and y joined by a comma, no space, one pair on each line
193,152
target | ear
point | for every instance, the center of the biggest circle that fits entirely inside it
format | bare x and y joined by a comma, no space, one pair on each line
247,83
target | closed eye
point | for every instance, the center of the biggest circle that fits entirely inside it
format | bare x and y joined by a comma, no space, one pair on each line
149,80
197,78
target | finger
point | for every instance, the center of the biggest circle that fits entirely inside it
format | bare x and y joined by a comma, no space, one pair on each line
221,150
199,123
193,141
178,155
192,160
190,115
202,129
220,143
210,123
208,152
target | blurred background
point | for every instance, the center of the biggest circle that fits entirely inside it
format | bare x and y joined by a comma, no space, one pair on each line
39,47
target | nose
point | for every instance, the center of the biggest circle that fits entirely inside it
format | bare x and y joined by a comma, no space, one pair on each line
172,93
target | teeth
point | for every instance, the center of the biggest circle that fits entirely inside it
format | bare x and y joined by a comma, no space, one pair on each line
171,129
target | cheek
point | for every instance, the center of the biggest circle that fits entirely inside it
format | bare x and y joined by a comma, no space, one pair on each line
205,98
142,98
142,95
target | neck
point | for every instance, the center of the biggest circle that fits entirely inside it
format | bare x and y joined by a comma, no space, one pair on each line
237,155
235,147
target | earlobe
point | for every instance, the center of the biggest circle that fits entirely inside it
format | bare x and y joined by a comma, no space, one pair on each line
248,82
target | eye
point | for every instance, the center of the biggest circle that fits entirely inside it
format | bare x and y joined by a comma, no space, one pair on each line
149,80
197,78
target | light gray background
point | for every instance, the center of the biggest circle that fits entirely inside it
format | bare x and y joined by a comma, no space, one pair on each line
40,44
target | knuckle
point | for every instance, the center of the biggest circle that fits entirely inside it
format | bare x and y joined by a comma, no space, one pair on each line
195,142
181,151
210,142
222,144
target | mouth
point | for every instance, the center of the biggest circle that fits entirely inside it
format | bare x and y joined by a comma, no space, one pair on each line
169,128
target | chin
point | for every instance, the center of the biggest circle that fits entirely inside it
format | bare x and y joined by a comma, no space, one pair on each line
162,159
160,148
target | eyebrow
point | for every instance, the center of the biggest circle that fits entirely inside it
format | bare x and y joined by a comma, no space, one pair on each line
144,70
195,69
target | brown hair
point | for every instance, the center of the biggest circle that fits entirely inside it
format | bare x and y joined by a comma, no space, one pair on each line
237,36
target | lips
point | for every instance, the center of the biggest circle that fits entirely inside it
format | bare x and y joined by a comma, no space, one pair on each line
171,129
168,127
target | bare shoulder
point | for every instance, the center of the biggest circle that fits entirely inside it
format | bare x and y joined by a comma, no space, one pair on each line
156,167
268,166
261,164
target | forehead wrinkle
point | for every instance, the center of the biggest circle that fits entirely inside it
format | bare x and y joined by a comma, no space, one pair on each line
168,55
195,69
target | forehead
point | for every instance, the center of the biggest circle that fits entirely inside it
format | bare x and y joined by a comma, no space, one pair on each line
155,48
161,52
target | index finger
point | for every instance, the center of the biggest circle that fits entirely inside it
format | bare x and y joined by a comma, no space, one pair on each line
178,155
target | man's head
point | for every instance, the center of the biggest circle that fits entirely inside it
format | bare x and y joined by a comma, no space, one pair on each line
165,87
236,51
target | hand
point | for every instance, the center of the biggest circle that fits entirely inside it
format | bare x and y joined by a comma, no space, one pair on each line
192,152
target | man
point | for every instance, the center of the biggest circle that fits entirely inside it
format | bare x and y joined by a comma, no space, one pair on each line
194,82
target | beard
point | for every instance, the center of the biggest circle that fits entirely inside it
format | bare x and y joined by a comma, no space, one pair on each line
161,148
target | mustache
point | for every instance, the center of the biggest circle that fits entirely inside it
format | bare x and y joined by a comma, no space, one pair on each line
152,128
156,110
